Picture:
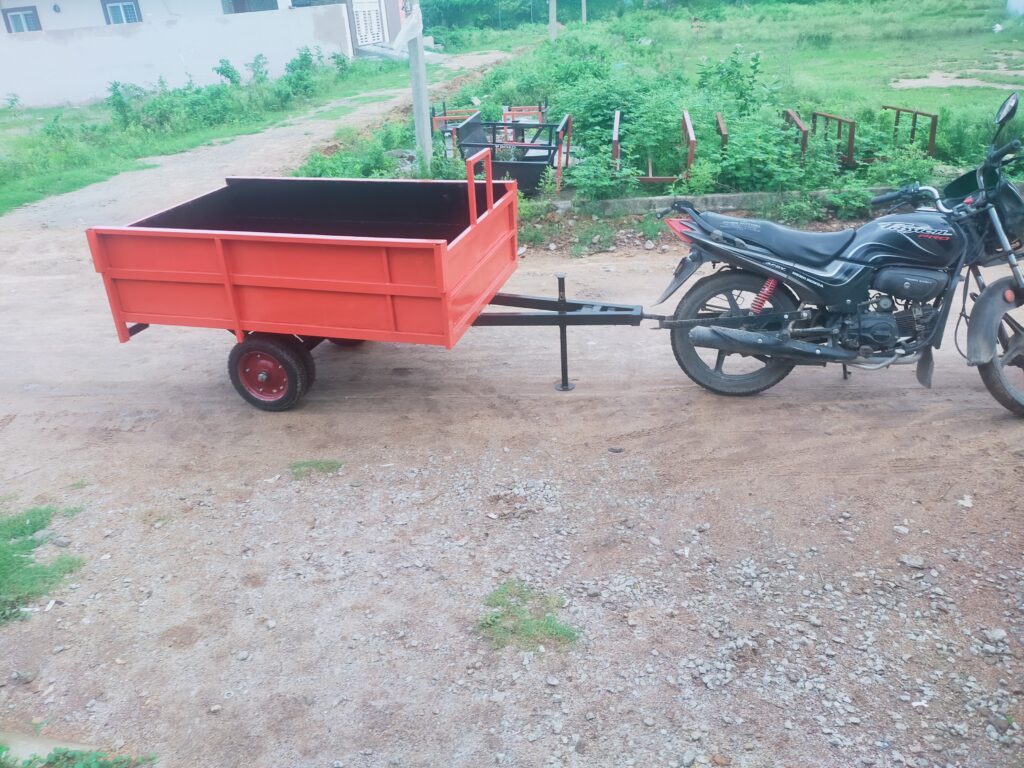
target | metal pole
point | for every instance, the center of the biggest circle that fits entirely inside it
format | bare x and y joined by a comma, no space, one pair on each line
552,21
584,11
420,100
563,385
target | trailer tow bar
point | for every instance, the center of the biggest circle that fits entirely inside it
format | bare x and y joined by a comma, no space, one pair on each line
560,312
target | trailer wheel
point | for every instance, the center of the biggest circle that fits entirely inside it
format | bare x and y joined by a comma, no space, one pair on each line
268,373
303,348
305,352
347,342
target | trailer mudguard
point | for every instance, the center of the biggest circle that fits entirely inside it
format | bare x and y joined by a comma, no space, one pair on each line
684,272
986,316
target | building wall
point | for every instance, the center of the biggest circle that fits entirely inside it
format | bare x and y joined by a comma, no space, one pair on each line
76,14
57,66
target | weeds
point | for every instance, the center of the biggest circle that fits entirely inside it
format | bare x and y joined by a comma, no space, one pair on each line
65,758
522,617
302,469
22,579
595,236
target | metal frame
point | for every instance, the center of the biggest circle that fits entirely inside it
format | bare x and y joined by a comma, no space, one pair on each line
722,130
689,140
840,122
792,118
934,119
561,313
475,135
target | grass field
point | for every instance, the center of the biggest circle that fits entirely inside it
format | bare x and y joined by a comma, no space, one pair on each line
49,151
844,54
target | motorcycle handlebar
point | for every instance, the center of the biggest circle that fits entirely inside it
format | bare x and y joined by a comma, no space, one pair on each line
888,197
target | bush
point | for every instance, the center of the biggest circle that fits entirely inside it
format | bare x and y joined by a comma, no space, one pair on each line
227,70
595,177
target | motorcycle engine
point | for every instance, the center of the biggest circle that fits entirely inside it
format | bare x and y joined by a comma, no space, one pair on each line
883,326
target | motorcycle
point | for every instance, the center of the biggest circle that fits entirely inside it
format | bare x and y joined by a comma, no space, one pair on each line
871,297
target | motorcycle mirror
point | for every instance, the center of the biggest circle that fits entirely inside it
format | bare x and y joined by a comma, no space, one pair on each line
1008,110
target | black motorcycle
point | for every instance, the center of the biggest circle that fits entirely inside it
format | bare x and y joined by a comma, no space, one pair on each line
869,298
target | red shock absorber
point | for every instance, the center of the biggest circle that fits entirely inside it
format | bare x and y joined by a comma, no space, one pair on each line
763,295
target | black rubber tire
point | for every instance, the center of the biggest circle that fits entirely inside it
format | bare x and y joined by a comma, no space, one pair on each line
305,353
686,354
287,357
993,374
347,342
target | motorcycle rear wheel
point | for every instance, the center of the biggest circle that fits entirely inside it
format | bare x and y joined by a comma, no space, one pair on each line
725,294
1004,374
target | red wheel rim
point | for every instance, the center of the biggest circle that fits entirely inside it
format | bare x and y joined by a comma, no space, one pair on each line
263,376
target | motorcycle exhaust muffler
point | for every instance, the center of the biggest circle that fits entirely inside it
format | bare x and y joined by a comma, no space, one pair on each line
753,343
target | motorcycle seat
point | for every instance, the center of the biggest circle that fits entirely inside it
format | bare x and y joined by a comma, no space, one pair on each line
812,248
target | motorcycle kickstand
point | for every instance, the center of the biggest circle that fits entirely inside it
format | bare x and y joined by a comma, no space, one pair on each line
846,372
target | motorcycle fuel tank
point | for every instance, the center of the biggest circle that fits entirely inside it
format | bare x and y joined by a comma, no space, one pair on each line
923,238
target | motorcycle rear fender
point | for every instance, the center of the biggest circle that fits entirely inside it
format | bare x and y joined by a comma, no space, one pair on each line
986,317
686,269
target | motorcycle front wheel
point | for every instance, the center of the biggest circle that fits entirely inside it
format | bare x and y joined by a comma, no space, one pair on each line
1004,374
727,294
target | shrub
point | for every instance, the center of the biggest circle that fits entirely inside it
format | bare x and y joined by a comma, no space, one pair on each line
258,72
227,70
595,177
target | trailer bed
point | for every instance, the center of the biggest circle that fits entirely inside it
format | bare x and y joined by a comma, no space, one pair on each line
364,259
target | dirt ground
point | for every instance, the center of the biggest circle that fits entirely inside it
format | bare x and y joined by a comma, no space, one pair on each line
830,574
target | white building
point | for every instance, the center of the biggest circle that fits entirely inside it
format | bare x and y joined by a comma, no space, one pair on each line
58,51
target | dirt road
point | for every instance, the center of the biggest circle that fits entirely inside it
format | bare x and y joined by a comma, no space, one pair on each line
796,579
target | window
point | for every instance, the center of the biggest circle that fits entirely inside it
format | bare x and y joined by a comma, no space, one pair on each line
248,6
22,19
121,11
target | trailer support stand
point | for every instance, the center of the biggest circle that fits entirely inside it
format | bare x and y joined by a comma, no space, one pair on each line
561,312
563,385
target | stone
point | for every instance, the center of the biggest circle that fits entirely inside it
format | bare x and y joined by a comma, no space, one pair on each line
995,635
215,709
649,245
913,561
689,757
902,530
552,681
720,760
61,541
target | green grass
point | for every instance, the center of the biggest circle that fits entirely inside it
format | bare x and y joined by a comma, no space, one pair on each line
462,39
524,618
50,151
64,758
302,469
594,236
22,579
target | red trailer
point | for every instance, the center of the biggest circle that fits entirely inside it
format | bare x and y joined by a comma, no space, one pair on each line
285,263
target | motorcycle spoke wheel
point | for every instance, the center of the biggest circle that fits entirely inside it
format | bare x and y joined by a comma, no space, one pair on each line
727,294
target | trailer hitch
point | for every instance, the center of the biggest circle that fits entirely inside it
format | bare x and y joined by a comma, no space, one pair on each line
560,312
